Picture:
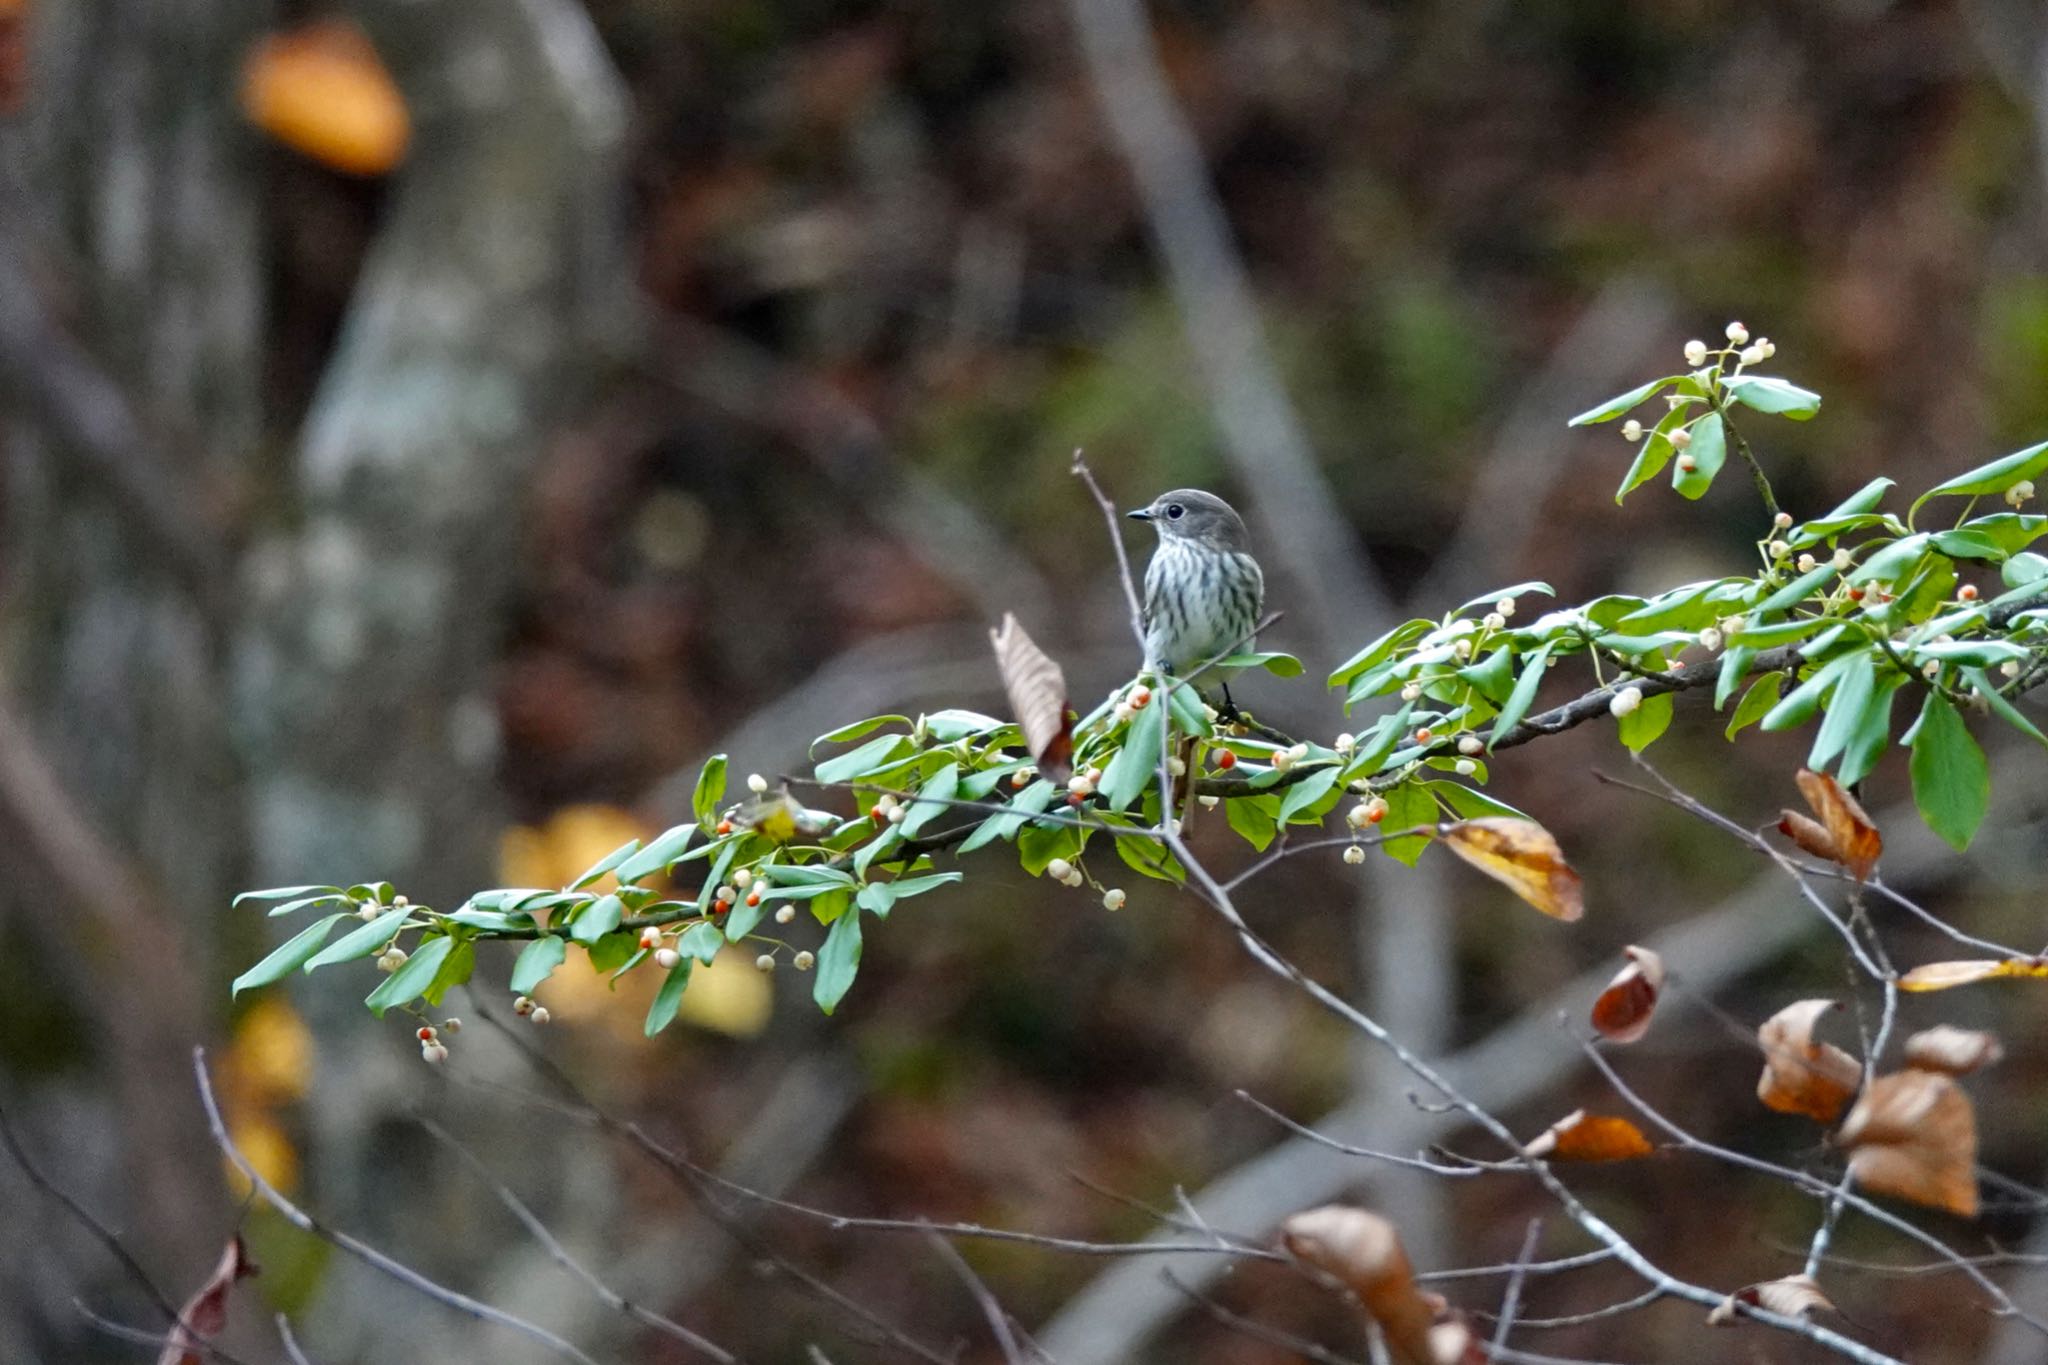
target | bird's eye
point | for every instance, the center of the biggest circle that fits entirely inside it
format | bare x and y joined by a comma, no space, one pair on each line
1174,510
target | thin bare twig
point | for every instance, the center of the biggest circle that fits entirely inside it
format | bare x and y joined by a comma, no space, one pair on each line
1511,1297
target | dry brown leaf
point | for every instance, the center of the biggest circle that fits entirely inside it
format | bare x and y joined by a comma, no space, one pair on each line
1957,1051
1800,1075
1038,697
1914,1135
322,90
1363,1250
1794,1296
206,1312
1941,976
1856,841
1580,1136
1622,1013
1810,834
1522,856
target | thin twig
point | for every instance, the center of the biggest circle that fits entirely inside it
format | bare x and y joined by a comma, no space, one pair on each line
363,1251
1511,1297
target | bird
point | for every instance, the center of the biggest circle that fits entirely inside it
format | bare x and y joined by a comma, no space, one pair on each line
1203,589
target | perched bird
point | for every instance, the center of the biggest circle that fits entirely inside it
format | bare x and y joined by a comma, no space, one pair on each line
1203,589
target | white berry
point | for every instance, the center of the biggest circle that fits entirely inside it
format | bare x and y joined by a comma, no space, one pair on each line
1354,855
784,914
756,783
803,961
1471,744
1625,701
765,962
1695,352
666,958
1113,899
1059,869
1737,333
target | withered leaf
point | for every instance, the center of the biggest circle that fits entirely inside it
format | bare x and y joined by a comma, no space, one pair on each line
1856,842
1622,1013
205,1314
1522,856
1941,976
1914,1135
1038,697
1363,1251
1800,1075
1580,1136
1810,834
1957,1051
1794,1296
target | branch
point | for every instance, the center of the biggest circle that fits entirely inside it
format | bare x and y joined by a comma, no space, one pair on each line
363,1251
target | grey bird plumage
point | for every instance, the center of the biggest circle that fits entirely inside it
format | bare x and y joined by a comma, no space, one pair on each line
1203,589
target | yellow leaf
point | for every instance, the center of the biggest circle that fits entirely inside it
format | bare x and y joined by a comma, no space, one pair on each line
1580,1136
1800,1075
556,852
1522,856
1941,976
321,90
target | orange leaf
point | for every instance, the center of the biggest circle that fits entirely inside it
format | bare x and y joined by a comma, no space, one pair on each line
1940,976
1579,1136
1622,1013
1793,1296
206,1312
1856,841
320,89
1954,1050
1800,1075
1364,1252
1038,696
1522,856
1914,1135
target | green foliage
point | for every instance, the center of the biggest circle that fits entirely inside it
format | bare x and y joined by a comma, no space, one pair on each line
1843,613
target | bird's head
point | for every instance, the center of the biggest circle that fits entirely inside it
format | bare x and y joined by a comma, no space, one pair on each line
1190,514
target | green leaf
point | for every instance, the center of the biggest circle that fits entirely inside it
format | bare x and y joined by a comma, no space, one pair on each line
1686,608
1855,688
1873,733
1998,702
289,956
369,939
803,874
1735,662
1894,561
1031,801
611,952
879,898
876,753
1470,804
293,907
1640,728
1615,407
1404,634
2023,569
838,961
947,726
1799,705
1709,449
1656,453
1772,634
710,791
1996,477
665,848
662,1012
1254,818
1409,805
597,919
419,971
1761,697
1272,660
1523,697
856,730
981,784
1136,763
1306,793
537,962
490,921
1766,394
1795,592
1190,713
607,863
933,799
279,893
1951,780
1150,858
1493,675
1488,599
454,971
702,941
1968,543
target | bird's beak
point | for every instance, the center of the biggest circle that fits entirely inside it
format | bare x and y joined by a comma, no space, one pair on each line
1141,514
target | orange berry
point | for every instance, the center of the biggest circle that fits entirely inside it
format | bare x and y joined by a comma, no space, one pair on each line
1855,594
1375,814
719,907
1226,760
725,826
1968,592
1424,735
753,898
425,1033
877,814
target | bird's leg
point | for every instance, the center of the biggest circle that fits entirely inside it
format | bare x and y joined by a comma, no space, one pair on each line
1229,715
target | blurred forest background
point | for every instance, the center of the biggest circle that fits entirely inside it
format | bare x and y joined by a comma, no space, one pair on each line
700,374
